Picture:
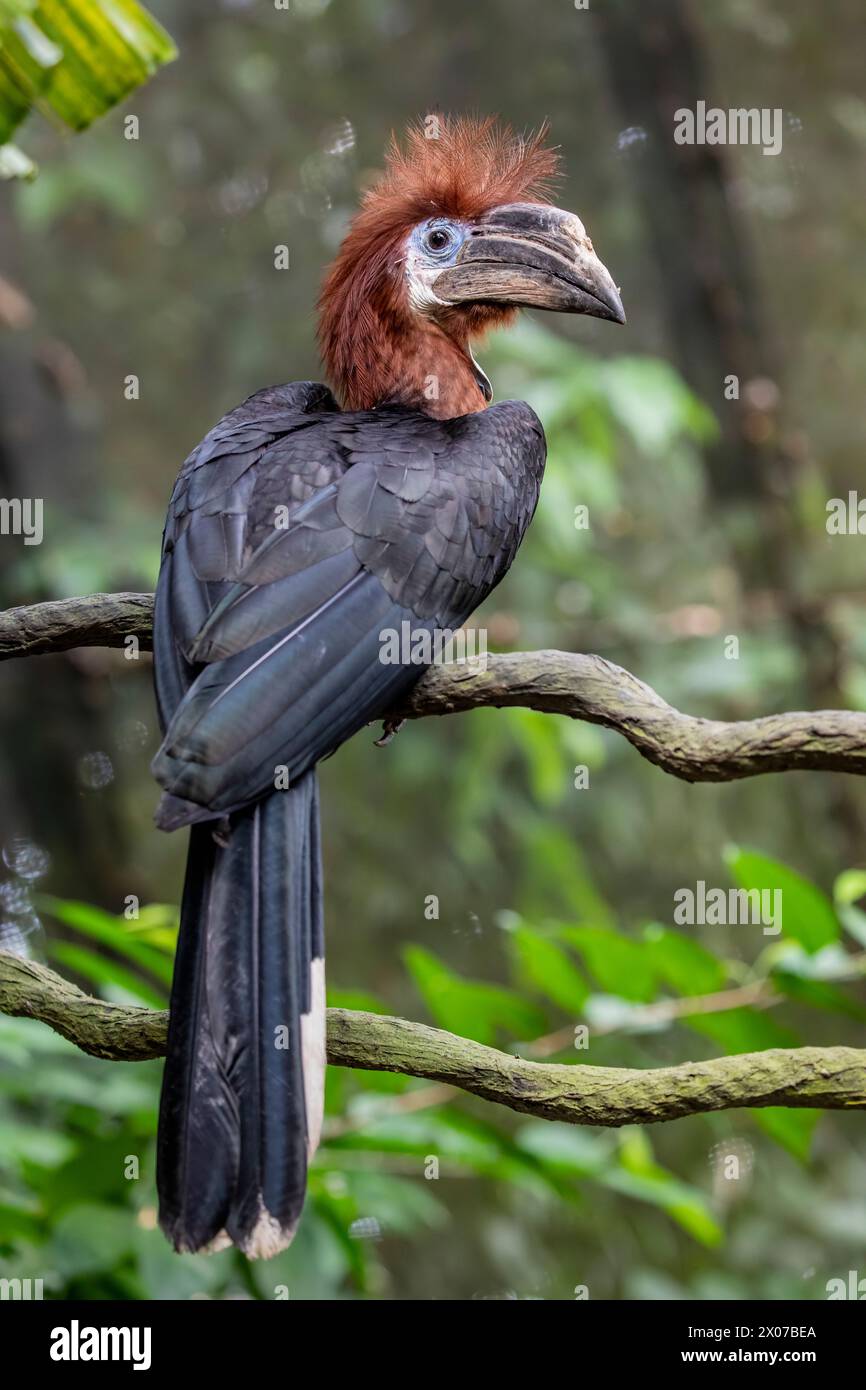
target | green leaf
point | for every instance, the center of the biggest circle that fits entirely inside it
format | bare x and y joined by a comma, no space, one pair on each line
157,924
111,931
651,401
18,1223
819,994
356,999
19,1037
742,1030
89,1238
850,886
95,1172
75,58
110,47
10,10
102,971
631,1171
641,1176
27,61
400,1205
567,1150
458,1141
557,879
538,736
35,1144
619,963
471,1008
684,964
544,966
807,914
684,1204
125,1088
848,889
167,1275
793,1129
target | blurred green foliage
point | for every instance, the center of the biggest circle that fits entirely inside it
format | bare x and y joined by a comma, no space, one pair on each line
78,1136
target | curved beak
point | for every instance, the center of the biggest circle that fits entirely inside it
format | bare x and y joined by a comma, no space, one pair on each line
531,256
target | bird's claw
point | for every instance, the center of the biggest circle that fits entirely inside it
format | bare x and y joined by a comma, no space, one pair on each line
390,727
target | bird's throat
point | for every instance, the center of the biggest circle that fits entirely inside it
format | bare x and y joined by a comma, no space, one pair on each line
435,373
380,355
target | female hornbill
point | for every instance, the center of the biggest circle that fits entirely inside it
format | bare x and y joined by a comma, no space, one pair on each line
302,527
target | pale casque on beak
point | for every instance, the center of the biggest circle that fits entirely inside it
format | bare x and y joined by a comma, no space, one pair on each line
534,256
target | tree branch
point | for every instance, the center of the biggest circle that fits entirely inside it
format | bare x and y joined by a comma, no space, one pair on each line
96,620
581,686
831,1078
696,750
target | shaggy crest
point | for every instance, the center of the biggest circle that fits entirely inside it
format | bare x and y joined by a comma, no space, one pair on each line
461,168
445,167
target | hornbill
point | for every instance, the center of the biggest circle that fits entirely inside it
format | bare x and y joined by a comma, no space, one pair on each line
304,526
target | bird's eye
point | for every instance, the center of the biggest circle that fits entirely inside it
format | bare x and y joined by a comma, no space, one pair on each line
438,239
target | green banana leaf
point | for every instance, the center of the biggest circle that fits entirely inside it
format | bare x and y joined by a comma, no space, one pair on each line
73,60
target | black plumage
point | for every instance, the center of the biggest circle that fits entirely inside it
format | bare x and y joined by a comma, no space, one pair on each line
297,535
300,538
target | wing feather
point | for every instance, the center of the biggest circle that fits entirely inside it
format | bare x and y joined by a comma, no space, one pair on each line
277,631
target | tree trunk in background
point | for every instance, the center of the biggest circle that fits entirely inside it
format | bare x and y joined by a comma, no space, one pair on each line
717,330
710,293
48,711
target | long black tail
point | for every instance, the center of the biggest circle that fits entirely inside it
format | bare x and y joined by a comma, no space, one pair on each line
242,1091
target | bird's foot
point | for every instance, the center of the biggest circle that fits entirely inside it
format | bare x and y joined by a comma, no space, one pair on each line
390,728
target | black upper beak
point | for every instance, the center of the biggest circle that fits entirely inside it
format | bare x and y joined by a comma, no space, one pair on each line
531,255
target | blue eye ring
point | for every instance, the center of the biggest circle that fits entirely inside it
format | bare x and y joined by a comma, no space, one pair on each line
439,239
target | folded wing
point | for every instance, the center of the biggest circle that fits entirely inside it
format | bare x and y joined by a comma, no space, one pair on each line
281,592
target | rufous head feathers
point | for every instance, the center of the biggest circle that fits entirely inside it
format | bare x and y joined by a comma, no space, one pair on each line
444,167
460,168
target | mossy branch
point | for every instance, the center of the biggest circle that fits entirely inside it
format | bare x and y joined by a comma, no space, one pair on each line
830,1078
584,687
581,686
